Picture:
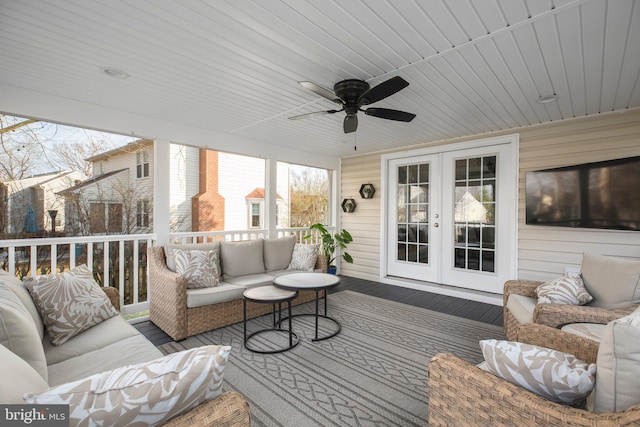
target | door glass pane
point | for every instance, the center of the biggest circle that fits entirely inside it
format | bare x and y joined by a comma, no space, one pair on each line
474,213
413,213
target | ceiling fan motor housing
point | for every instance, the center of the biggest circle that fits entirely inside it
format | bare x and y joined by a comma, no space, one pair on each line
350,91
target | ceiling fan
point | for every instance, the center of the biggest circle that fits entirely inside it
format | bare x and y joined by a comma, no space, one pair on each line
352,94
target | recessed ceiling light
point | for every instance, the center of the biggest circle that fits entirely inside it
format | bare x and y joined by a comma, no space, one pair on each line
546,99
115,72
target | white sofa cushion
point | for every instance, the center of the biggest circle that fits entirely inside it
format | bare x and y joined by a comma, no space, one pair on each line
145,394
17,287
613,282
18,378
251,280
100,336
70,302
521,307
592,331
277,252
619,365
129,351
241,258
555,375
207,296
200,268
18,332
171,247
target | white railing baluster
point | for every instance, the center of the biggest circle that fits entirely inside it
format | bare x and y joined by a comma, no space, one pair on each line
133,272
121,281
12,260
90,256
72,255
54,258
105,265
34,260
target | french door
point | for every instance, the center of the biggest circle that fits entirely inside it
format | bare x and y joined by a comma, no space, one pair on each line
451,217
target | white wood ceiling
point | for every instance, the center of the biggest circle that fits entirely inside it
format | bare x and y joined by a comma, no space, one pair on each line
232,67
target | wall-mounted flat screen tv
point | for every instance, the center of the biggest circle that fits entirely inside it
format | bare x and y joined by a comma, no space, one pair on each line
591,195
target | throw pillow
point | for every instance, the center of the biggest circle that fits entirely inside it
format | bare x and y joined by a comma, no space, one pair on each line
613,282
69,303
304,257
618,365
170,248
200,268
143,394
565,290
555,375
18,378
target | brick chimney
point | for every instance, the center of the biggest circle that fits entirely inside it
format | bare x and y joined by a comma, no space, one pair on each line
207,207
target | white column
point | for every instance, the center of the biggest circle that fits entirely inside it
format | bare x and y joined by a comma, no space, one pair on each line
270,191
161,185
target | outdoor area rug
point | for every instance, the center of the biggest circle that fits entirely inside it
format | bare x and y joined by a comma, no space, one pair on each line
373,373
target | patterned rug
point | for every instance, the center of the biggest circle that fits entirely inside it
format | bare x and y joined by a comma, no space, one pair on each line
373,373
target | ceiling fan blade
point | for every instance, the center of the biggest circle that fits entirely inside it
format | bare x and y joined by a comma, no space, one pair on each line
384,89
350,124
315,113
385,113
324,92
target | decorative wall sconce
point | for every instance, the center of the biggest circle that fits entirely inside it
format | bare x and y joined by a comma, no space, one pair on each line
348,205
367,191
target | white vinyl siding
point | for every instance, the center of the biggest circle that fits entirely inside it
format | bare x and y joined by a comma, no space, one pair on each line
185,183
544,252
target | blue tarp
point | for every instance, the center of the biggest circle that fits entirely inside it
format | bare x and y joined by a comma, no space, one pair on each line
30,224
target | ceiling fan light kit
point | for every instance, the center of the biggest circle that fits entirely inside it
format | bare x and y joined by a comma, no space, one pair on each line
352,94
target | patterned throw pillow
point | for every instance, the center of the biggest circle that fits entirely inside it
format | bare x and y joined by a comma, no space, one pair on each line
200,268
144,394
304,257
565,290
555,375
69,303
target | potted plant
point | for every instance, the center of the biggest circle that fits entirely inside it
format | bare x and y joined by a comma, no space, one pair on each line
330,243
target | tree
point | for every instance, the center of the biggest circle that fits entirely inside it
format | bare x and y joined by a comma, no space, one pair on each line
309,197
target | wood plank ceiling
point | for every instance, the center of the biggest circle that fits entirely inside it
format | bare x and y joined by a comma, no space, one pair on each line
232,66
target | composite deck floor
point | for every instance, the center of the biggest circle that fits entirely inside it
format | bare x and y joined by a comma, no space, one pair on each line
473,310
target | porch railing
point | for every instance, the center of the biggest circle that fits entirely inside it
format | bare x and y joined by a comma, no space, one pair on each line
115,260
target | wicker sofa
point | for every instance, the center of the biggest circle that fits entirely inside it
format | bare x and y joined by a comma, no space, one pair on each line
30,363
462,394
181,312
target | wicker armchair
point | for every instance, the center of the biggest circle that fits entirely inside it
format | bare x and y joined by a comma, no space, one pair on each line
461,394
555,315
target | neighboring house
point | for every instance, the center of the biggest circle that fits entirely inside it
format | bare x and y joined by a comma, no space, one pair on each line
39,194
207,192
256,206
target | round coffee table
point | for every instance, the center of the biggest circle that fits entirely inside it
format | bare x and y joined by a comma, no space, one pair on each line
270,295
318,282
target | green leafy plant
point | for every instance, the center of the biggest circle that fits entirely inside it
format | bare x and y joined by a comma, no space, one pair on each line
330,243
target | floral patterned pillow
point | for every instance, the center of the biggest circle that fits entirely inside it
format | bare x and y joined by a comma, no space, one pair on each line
200,268
69,303
146,394
304,257
555,375
564,290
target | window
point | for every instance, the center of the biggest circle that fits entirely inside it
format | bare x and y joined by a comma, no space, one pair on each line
143,208
142,164
308,195
255,215
97,222
115,218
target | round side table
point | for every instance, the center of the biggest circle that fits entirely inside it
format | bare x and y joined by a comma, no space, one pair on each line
269,295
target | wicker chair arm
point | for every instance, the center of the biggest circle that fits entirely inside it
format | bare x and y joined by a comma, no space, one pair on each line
558,315
168,296
228,409
545,336
113,295
461,394
520,287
